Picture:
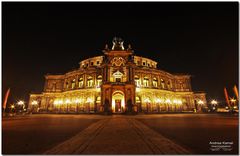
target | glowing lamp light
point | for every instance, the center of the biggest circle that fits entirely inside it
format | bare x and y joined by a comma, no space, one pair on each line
89,100
158,100
214,102
67,101
77,101
60,102
20,102
168,101
56,102
137,89
98,89
147,100
34,102
233,100
200,102
12,106
179,102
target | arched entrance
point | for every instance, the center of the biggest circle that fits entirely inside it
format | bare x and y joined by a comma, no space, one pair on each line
118,102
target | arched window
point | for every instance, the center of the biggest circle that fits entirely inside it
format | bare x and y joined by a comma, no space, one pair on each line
89,81
73,83
181,85
118,76
145,81
99,80
80,82
67,85
54,86
137,81
169,84
162,84
155,82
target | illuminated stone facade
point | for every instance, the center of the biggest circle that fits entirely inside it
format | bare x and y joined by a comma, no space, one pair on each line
117,82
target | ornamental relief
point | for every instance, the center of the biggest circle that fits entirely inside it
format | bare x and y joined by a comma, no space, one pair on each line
118,61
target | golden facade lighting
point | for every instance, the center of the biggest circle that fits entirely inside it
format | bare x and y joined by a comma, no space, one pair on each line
34,102
200,102
168,101
20,102
113,82
214,102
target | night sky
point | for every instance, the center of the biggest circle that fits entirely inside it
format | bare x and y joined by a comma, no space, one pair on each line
200,39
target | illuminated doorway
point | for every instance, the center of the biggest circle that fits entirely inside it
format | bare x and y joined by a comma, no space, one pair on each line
118,102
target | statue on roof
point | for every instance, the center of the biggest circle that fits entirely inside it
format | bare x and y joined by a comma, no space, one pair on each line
117,44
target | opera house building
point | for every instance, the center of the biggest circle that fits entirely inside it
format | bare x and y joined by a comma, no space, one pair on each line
119,81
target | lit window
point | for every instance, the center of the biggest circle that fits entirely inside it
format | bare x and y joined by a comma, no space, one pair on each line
145,82
73,83
89,81
99,81
162,83
137,81
80,82
67,85
181,85
169,85
155,81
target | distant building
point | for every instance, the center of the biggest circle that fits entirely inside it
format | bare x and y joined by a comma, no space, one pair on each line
117,82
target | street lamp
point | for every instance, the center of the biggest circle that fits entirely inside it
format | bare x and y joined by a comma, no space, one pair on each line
34,102
158,101
21,103
214,103
12,106
147,101
67,102
77,101
200,102
233,101
89,102
168,102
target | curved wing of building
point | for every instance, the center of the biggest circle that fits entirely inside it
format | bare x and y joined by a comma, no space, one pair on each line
119,81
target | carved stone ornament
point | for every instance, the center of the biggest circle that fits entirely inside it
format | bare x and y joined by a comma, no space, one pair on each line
118,61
